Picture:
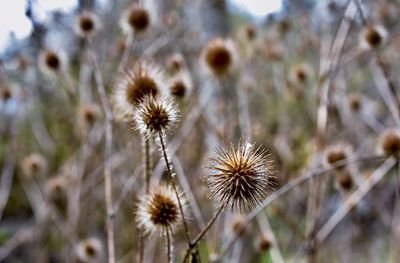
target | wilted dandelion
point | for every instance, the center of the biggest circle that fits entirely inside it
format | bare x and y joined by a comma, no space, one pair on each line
240,176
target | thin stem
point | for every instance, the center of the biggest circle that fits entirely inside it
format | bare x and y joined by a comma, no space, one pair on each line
203,232
169,246
147,161
172,177
107,157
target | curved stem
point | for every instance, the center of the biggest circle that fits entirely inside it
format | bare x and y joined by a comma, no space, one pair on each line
169,246
172,177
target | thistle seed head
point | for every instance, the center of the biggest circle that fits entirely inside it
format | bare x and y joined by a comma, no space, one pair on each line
34,165
86,24
373,37
142,81
240,176
389,143
336,153
89,250
136,19
219,56
155,115
158,210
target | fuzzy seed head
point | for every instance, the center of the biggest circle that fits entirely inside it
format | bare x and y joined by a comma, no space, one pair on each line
344,182
89,250
218,56
136,19
175,62
34,165
336,153
390,143
86,24
56,187
373,37
5,93
50,61
142,81
240,176
264,243
355,102
88,114
300,73
155,115
158,210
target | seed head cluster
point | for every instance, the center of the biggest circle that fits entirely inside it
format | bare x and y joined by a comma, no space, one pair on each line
240,176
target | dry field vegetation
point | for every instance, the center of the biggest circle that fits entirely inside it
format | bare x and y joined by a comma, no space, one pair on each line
176,131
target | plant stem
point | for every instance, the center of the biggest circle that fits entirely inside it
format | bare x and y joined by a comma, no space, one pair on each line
169,246
172,177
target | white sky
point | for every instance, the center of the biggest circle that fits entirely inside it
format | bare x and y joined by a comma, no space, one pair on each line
13,20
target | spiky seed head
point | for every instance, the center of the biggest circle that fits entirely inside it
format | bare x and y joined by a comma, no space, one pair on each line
239,176
155,115
237,224
355,102
88,114
389,143
136,19
219,56
50,61
344,181
373,37
34,165
158,210
336,153
86,24
142,81
175,62
89,250
263,243
5,93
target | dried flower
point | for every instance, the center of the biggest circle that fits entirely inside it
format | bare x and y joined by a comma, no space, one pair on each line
155,115
389,143
336,153
263,243
355,102
240,176
34,165
50,61
158,210
88,114
219,56
300,73
142,81
136,19
180,86
344,181
86,24
373,37
175,62
89,250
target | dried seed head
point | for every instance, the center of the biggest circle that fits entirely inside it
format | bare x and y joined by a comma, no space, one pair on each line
373,37
50,61
5,93
158,210
155,115
56,188
344,181
237,224
89,250
249,32
86,24
180,86
389,143
355,102
175,62
263,243
336,153
240,176
300,73
34,165
219,56
136,20
88,114
142,81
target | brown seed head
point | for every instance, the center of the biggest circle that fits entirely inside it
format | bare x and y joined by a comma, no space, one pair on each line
178,88
344,181
86,24
336,153
373,36
240,176
88,114
34,165
51,61
218,56
355,102
158,210
264,243
390,143
89,250
5,93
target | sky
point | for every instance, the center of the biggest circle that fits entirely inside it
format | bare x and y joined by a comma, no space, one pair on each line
13,19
